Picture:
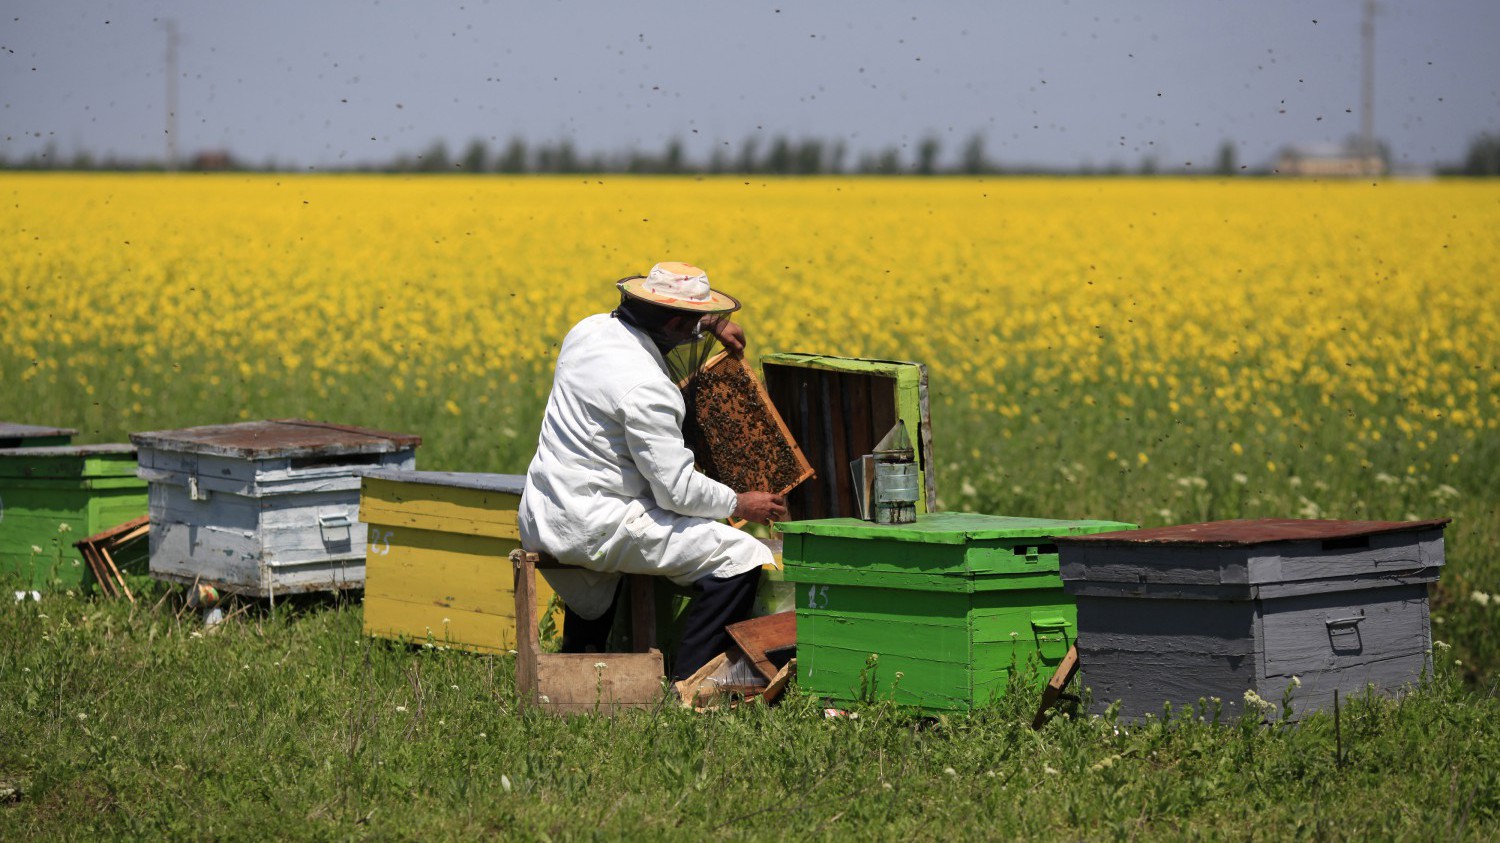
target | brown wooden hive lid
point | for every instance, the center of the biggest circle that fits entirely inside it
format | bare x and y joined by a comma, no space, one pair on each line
276,438
1243,531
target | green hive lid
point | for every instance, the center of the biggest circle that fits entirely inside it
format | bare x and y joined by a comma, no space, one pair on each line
507,483
950,528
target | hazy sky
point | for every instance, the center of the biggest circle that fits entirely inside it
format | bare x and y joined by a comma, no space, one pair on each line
1049,83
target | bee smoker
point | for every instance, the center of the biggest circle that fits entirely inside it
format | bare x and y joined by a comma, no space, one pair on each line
888,480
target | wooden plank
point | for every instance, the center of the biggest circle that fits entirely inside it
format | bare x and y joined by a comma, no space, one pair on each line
480,632
462,506
642,590
371,513
1053,692
855,393
841,484
528,646
442,569
758,635
599,683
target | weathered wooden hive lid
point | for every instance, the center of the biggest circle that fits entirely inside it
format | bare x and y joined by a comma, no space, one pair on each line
1246,532
276,438
510,484
51,451
12,430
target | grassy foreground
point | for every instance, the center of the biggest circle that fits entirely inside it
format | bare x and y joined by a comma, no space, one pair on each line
136,723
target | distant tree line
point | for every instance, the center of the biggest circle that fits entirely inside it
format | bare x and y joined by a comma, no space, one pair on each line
781,156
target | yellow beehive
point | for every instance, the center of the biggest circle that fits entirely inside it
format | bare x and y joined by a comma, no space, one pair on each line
437,567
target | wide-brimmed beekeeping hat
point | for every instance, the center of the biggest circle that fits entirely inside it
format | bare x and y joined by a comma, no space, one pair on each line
680,286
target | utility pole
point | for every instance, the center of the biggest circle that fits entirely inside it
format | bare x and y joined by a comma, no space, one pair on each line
171,128
1367,82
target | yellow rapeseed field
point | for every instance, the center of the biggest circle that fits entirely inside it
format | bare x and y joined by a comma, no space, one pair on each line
1169,302
1151,350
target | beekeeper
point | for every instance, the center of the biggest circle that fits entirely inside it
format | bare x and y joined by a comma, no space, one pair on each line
612,488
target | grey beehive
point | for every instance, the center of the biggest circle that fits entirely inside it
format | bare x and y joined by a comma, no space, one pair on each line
1201,611
263,508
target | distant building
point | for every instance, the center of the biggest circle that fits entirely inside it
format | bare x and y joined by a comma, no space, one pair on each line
212,159
1349,160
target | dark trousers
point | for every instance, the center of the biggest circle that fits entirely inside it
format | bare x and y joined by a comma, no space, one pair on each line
716,603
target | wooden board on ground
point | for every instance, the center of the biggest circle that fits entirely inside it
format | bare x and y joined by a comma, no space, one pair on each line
757,636
736,434
582,683
1054,690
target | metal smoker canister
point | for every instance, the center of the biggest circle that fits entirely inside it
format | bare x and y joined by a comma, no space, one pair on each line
895,487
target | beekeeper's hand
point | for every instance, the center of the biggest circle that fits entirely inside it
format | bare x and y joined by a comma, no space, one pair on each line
729,333
760,507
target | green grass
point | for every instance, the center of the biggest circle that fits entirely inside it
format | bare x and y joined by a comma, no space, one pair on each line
134,722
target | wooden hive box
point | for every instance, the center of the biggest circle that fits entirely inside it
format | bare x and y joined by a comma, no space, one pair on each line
263,508
952,603
33,436
50,497
438,567
837,408
1179,614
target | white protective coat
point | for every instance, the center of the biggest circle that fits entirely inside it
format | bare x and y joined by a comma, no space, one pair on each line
612,488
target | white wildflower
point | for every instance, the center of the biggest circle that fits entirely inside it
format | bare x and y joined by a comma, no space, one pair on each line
1480,597
1387,479
35,549
82,716
1296,682
1241,478
1309,509
1441,645
1255,701
967,489
401,708
950,771
1050,770
1294,481
1444,492
1104,764
600,665
505,782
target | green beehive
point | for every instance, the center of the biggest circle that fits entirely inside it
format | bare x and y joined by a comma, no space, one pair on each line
952,603
51,498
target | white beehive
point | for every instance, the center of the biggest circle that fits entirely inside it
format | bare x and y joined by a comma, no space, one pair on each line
263,508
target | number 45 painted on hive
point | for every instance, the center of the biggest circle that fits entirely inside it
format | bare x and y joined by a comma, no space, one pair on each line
817,597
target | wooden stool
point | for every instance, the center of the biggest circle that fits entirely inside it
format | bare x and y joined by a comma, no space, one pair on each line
575,683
